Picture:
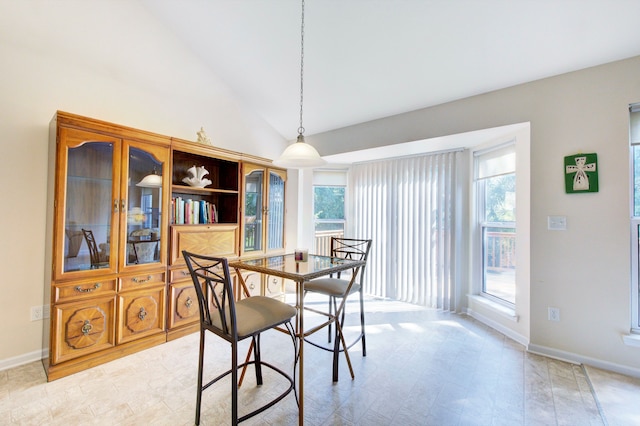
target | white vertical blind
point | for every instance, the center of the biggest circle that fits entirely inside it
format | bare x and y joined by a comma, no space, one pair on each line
407,207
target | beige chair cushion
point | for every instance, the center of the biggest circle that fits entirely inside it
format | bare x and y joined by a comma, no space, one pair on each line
330,286
258,313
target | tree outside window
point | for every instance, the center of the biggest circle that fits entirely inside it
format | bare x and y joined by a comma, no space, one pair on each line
329,215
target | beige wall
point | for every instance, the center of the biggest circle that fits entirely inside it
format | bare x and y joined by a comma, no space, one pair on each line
38,77
585,270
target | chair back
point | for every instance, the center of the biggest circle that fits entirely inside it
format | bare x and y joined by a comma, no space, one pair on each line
212,281
351,248
93,248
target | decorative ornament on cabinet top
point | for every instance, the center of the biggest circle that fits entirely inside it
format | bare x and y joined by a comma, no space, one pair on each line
203,138
196,177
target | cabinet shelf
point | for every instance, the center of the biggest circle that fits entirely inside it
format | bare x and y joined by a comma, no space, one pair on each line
184,189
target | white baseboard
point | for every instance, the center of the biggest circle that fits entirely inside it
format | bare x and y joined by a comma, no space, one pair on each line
498,327
570,357
16,361
581,359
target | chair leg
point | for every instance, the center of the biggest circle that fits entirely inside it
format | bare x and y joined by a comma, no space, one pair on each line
336,352
234,384
336,346
364,341
200,367
258,359
332,303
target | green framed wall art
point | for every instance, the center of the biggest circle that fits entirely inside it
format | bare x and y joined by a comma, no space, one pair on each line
581,173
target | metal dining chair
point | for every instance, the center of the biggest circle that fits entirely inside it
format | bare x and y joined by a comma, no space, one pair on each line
235,321
338,288
97,260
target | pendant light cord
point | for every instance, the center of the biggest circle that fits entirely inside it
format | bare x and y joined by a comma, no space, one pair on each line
301,128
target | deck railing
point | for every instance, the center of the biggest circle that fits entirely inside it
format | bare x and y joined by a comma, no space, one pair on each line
323,241
501,248
500,251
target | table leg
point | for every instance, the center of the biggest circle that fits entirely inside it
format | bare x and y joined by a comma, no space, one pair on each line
300,334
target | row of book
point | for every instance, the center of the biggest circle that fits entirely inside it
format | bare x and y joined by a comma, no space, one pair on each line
188,211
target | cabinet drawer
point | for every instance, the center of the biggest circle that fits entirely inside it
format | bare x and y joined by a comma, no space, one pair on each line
78,290
141,280
140,313
253,284
183,304
210,240
82,328
177,275
275,287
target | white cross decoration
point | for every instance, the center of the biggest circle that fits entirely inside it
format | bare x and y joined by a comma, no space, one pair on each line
581,180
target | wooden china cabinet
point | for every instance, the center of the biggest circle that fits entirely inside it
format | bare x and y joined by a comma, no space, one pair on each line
121,209
107,242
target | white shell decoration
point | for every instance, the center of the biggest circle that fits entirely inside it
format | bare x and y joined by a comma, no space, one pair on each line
196,178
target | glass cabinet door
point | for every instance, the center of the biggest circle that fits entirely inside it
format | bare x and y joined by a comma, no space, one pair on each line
263,208
253,210
85,213
143,218
111,214
275,212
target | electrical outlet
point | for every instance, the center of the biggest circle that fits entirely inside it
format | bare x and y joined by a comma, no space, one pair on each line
36,313
554,314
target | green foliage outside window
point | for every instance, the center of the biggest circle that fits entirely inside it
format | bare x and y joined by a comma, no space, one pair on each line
500,203
251,204
328,202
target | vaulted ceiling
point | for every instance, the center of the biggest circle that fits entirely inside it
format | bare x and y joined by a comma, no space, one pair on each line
363,59
367,59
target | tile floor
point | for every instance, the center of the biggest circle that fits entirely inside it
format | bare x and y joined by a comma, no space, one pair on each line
423,367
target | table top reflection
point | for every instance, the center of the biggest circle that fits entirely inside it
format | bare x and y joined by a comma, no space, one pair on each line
287,267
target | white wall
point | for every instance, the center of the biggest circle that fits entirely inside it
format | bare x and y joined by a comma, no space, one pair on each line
585,270
39,75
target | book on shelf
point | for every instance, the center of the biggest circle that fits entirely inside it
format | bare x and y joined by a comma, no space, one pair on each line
192,212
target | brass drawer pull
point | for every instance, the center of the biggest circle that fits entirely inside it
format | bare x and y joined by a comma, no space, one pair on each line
142,314
87,327
188,302
185,273
88,290
141,280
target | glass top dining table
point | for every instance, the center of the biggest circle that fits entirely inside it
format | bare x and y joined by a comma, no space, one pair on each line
286,266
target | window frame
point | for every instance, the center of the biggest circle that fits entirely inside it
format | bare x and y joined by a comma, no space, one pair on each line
635,271
634,143
480,251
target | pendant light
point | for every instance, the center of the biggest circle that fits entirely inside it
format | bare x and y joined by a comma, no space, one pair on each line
152,180
300,154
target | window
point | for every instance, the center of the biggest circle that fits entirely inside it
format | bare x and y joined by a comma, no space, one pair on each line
328,213
634,140
495,183
329,216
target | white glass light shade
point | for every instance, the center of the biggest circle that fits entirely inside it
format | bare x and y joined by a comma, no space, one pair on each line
300,155
151,181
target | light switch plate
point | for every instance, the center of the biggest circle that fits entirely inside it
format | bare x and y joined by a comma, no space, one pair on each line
557,223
